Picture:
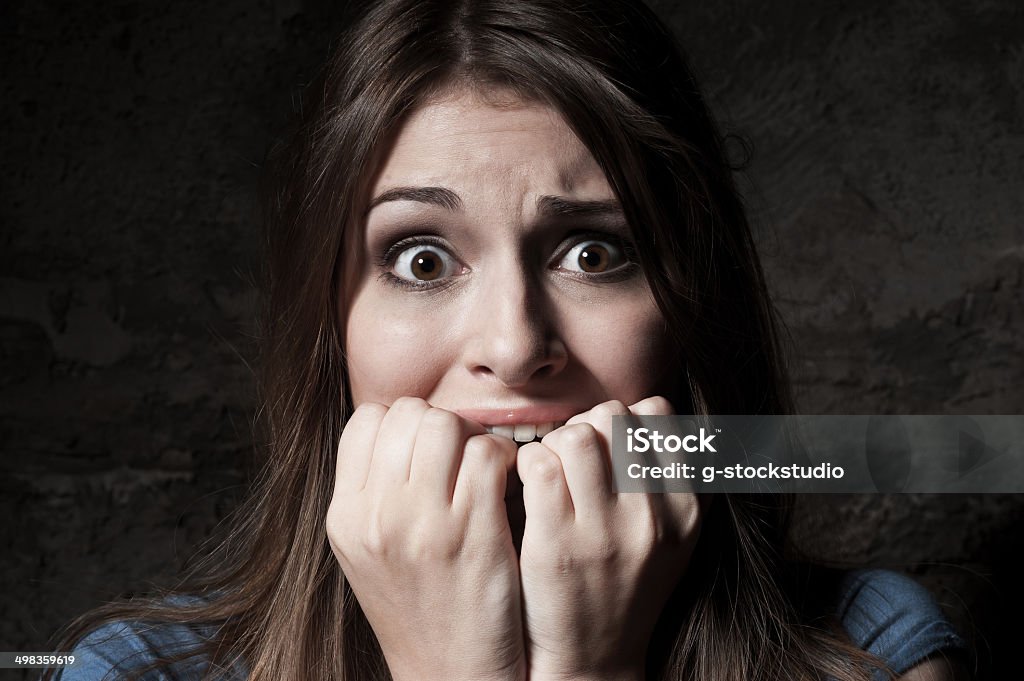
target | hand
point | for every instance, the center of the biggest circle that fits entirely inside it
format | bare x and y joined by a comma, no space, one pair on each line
597,567
419,527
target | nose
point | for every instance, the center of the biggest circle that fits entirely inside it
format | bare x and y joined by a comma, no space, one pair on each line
513,336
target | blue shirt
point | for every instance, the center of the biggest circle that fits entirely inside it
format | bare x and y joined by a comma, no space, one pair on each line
114,648
895,618
885,613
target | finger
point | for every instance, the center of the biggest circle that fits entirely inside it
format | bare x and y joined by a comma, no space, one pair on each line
652,406
585,463
355,448
437,454
658,406
601,418
683,509
392,453
546,496
483,476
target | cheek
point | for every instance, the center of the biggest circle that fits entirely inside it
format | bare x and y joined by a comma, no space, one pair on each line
390,354
626,348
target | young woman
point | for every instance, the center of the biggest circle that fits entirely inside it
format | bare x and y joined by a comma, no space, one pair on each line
497,225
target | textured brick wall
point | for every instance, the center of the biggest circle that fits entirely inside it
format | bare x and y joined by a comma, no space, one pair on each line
885,186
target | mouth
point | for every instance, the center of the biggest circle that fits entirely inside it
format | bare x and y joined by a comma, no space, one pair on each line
522,423
523,433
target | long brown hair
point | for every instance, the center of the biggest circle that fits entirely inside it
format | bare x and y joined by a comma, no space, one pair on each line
275,593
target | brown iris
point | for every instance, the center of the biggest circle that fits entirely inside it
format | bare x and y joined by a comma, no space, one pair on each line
427,265
594,258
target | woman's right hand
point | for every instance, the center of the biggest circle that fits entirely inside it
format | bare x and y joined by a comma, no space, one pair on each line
419,526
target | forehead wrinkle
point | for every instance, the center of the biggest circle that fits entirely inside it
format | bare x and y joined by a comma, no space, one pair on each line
577,160
476,145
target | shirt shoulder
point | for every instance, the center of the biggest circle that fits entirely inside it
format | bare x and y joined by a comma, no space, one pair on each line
893,617
115,648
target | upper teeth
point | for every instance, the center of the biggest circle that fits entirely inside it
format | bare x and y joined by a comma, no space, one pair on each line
525,432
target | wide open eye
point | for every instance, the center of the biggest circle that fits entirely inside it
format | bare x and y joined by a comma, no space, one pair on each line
424,263
594,257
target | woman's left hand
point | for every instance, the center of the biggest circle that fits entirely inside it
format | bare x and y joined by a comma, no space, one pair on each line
596,567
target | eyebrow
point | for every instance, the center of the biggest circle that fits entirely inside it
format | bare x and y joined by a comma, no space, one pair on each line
557,206
437,196
547,206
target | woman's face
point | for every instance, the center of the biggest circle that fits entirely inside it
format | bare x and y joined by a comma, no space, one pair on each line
494,275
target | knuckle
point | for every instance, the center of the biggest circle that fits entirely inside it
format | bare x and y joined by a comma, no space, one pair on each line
486,449
333,527
409,403
478,448
611,408
546,468
437,420
644,542
359,530
573,437
651,535
369,411
661,405
690,517
334,517
344,539
374,541
646,531
655,405
483,458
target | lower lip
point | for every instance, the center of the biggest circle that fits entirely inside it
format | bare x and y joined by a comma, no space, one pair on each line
512,417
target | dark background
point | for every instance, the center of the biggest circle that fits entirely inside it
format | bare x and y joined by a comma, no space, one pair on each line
886,190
